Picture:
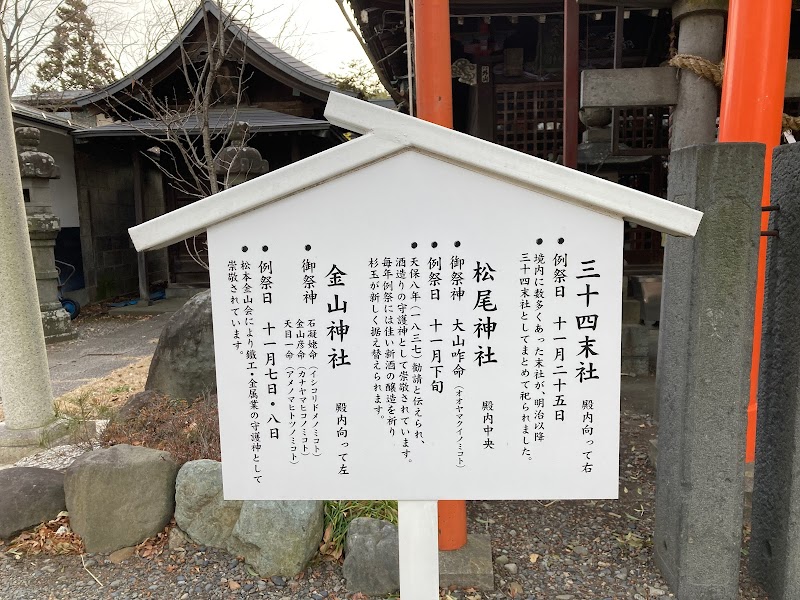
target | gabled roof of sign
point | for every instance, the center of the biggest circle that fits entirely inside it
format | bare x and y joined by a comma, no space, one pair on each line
387,133
315,83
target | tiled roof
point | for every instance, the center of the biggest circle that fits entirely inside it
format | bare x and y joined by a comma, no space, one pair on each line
40,116
290,60
259,120
52,97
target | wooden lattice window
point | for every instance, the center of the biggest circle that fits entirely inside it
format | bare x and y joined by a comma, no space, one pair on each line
645,128
642,246
528,118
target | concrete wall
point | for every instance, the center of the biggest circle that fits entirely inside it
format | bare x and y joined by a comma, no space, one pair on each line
65,189
60,146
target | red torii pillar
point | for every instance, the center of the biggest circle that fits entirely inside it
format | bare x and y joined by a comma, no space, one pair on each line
435,104
752,107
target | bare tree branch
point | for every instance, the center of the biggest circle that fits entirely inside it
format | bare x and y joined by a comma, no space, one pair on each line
25,28
209,67
292,35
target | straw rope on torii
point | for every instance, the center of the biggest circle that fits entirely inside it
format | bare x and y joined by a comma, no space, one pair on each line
714,73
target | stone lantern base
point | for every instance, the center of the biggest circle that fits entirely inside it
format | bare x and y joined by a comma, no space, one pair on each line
43,227
19,443
57,324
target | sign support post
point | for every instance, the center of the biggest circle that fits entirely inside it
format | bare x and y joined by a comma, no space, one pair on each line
419,555
420,529
435,104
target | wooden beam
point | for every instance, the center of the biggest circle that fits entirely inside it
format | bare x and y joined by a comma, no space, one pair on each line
486,7
619,26
571,83
138,203
631,3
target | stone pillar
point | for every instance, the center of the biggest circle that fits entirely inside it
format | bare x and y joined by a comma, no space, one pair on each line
24,376
37,169
702,27
775,543
704,369
694,120
238,162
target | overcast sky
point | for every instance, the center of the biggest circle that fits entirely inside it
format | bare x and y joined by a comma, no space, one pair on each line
328,40
320,35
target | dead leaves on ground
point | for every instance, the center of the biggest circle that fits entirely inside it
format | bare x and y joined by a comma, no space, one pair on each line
632,540
53,538
329,549
56,538
154,546
469,594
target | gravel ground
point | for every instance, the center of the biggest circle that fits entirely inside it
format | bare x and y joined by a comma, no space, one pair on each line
542,550
586,549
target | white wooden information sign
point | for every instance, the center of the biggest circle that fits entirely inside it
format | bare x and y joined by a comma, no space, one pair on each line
417,330
418,315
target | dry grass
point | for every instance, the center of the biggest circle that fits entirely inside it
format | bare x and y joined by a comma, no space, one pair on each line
103,395
106,394
188,431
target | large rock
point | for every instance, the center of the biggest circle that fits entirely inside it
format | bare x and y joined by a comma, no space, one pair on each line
278,537
371,557
29,496
200,510
183,363
275,538
135,404
119,496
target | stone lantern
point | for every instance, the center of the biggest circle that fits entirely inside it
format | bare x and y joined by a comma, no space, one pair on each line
37,169
595,152
238,161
